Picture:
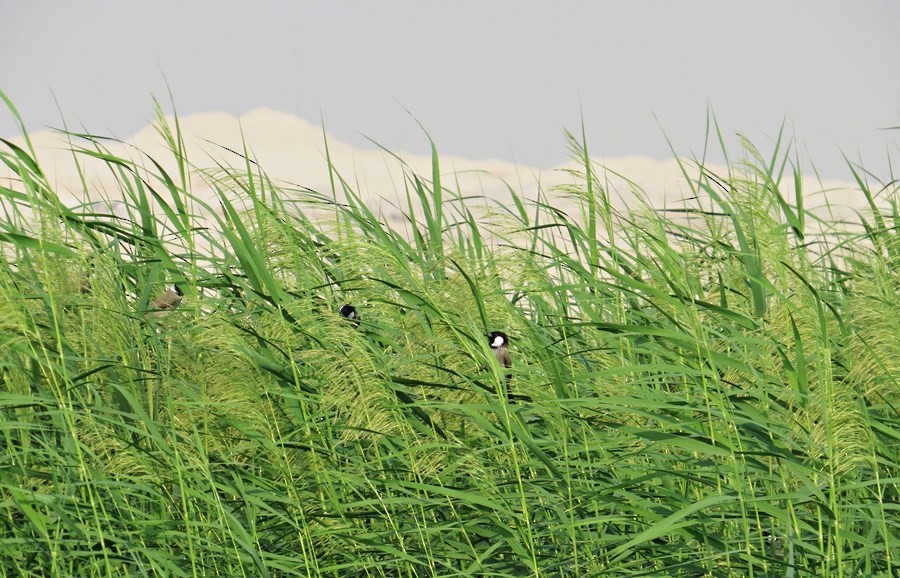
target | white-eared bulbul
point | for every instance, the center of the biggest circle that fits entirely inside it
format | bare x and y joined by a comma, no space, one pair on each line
349,312
500,345
167,302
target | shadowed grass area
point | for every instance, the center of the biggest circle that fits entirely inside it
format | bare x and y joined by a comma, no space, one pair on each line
704,392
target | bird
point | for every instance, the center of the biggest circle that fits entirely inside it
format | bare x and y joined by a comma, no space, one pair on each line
349,312
167,302
499,342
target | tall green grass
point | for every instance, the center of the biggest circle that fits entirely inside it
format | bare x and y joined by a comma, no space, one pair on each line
711,391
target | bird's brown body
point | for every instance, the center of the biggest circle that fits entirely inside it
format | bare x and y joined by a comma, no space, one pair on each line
500,346
166,302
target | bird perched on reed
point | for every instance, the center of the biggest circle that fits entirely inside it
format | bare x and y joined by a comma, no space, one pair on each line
167,302
499,342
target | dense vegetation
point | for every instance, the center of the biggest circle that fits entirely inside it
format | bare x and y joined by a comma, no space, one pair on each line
704,392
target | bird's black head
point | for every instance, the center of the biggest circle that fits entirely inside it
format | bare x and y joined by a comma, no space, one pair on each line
177,290
498,339
349,311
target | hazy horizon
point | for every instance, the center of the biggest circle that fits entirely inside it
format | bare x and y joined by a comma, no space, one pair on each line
487,81
291,151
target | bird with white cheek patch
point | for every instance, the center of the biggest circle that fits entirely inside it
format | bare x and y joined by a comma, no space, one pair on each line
500,345
349,312
167,302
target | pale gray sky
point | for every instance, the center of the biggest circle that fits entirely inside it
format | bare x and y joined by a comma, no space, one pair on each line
498,79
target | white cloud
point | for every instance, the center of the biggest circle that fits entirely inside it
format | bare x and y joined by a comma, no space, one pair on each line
291,150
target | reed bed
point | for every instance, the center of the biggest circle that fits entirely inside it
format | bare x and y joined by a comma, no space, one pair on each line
711,391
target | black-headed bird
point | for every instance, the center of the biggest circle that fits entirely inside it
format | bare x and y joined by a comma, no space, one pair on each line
349,312
499,342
